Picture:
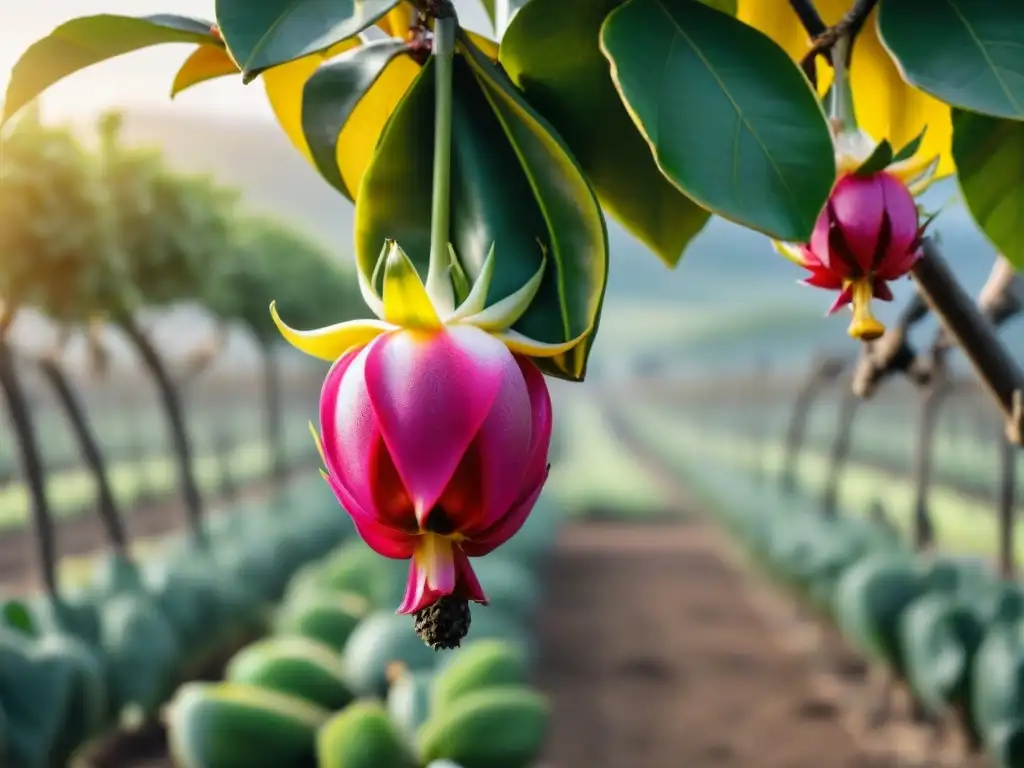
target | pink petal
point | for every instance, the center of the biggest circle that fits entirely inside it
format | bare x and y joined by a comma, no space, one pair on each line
491,475
508,526
818,250
880,290
903,217
351,437
467,585
444,570
858,205
844,298
540,407
431,392
823,280
385,541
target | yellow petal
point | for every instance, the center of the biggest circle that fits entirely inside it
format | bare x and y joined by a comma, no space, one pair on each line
284,86
398,20
406,301
318,442
524,345
889,108
206,62
864,326
776,19
331,342
886,106
790,251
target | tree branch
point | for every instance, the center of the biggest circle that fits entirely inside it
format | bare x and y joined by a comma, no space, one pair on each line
974,336
823,38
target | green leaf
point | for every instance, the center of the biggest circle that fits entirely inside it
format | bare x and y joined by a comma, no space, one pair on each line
723,6
880,159
489,10
332,93
88,40
969,53
730,118
551,52
989,156
541,201
504,12
264,34
911,148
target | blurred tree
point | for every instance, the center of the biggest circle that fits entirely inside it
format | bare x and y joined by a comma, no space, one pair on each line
271,262
53,228
172,231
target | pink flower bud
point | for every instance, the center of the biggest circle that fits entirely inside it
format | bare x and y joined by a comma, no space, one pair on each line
867,235
436,443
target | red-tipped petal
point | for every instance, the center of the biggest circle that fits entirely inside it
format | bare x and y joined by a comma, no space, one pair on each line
507,527
439,569
823,280
845,297
431,392
880,290
385,541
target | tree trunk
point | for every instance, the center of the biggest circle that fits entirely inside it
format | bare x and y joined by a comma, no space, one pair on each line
32,468
274,413
171,401
108,508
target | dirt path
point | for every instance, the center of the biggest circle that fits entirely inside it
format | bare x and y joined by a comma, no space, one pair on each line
654,658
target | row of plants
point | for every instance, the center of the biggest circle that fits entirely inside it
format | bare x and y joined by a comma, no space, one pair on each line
879,441
77,663
944,625
343,682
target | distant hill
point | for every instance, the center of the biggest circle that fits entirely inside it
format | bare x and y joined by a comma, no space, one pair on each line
727,271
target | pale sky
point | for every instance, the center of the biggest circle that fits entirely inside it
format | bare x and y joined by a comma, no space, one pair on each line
142,78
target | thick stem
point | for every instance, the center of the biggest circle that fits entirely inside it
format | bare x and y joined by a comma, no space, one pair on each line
273,411
445,28
1007,505
973,335
108,509
844,118
171,401
849,405
32,468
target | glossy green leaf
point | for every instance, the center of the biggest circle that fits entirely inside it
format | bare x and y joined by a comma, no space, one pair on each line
730,118
989,155
551,52
911,148
264,34
880,159
489,10
82,42
724,6
969,53
333,92
514,185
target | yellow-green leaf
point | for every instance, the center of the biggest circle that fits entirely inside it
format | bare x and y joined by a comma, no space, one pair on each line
206,62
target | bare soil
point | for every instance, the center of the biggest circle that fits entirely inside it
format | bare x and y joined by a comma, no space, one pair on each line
655,658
